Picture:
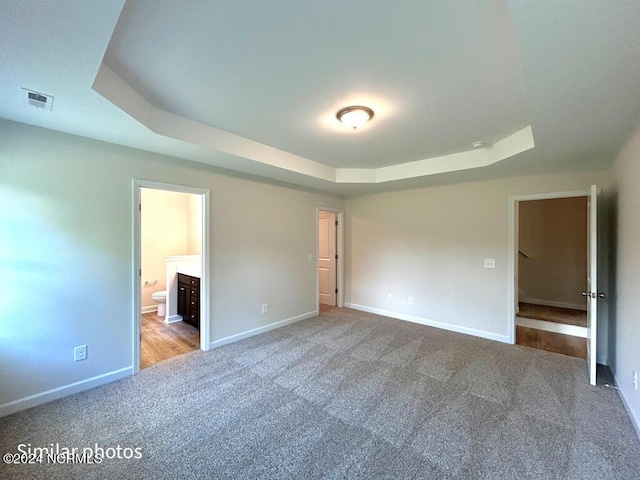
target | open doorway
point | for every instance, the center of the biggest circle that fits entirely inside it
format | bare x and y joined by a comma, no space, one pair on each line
327,259
595,266
551,312
330,261
170,252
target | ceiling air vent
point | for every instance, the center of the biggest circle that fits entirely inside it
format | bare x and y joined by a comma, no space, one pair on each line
39,100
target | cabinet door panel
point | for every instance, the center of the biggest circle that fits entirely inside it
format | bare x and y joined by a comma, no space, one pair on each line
183,295
189,299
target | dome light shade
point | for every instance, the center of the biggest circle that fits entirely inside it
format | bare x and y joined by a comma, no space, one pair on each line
355,116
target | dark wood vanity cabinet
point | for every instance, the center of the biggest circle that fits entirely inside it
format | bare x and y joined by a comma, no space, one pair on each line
189,299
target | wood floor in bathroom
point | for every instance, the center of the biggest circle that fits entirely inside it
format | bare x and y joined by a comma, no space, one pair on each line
161,341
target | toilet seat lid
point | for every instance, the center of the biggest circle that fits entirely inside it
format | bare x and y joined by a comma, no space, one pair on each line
160,294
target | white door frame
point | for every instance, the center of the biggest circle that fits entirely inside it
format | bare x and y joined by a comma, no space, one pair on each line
593,281
137,263
339,251
512,288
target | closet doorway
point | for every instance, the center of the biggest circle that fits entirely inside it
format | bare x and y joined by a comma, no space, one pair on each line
330,262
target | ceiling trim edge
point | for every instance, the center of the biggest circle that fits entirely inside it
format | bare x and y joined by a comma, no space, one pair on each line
113,88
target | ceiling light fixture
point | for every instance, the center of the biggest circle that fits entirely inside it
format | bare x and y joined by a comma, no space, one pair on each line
355,116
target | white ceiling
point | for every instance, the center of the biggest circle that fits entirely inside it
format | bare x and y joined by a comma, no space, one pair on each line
277,72
254,86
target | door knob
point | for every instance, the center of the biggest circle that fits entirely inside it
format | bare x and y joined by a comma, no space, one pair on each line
593,294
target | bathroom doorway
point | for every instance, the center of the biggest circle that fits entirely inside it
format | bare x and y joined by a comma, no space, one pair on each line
329,253
171,239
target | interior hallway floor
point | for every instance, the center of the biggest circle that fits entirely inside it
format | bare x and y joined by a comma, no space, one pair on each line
161,341
542,337
567,316
326,308
551,341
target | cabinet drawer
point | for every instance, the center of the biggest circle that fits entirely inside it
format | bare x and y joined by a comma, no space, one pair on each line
193,319
189,280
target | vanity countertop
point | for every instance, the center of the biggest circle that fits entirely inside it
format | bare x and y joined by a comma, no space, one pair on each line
191,270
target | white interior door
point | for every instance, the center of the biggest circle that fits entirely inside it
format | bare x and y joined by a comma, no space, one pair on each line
516,258
592,282
327,258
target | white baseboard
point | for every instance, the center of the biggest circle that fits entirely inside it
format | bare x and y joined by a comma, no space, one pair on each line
432,323
173,319
259,330
549,303
55,393
149,309
552,327
634,421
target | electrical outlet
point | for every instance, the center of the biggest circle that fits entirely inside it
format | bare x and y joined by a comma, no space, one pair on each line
265,308
410,300
80,353
389,296
635,380
489,263
309,257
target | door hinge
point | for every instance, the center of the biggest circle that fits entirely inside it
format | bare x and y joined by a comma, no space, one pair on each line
336,223
336,257
139,207
140,337
336,290
140,272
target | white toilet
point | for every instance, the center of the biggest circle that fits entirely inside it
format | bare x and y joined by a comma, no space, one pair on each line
161,298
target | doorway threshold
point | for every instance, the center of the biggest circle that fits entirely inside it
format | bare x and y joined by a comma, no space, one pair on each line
554,327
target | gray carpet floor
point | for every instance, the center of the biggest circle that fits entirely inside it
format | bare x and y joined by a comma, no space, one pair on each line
344,395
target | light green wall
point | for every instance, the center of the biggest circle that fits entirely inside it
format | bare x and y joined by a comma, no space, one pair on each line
625,335
66,253
430,244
